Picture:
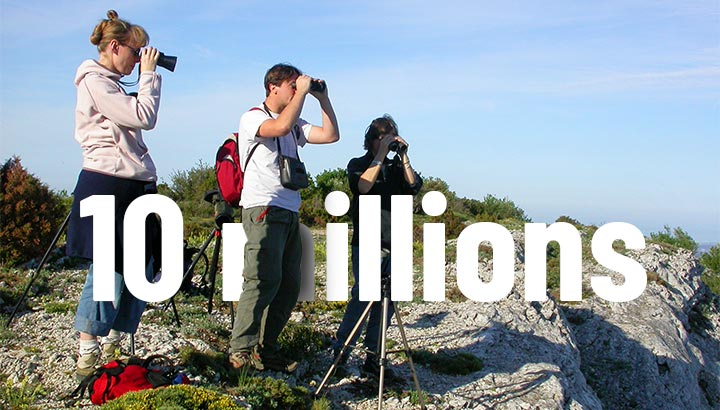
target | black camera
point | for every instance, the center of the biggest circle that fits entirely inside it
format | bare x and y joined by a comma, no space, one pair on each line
398,147
167,62
317,85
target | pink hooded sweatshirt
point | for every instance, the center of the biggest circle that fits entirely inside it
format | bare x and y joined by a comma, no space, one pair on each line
108,122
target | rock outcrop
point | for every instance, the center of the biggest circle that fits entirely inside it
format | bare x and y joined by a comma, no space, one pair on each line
661,350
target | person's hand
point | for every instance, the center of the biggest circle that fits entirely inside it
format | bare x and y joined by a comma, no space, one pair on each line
148,59
403,142
302,84
385,141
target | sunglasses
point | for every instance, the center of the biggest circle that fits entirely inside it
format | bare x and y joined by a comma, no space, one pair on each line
136,51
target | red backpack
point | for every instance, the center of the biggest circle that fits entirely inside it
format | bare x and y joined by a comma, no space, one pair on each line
228,172
117,378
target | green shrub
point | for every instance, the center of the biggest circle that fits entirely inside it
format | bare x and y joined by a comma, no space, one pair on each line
319,306
6,334
30,213
552,255
676,238
211,365
493,209
20,396
453,364
312,208
301,341
269,393
436,184
321,404
453,224
182,396
571,221
60,307
711,261
415,397
320,249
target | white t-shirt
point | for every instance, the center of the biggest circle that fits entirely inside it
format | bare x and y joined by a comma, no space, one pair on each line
262,185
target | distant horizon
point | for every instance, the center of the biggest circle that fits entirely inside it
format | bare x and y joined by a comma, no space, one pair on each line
646,232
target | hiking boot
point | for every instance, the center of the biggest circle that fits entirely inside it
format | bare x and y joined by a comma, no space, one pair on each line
371,369
278,362
240,360
87,364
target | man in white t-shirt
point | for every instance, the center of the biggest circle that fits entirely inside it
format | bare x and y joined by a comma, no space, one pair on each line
270,214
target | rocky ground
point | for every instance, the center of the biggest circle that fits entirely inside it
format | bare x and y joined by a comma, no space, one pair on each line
661,350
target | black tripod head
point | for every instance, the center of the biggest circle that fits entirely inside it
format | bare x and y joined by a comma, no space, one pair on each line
223,211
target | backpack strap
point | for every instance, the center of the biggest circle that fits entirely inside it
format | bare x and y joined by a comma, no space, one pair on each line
252,151
89,380
161,359
163,377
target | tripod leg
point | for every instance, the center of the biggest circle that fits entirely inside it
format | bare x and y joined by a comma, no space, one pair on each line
214,267
383,349
232,312
408,353
188,272
350,337
39,268
175,312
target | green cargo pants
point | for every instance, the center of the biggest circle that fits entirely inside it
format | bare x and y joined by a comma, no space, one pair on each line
271,277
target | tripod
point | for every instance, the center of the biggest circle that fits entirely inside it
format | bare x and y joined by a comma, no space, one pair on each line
223,214
38,269
386,302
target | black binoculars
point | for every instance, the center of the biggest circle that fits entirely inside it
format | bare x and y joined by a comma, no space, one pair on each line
167,62
317,85
398,147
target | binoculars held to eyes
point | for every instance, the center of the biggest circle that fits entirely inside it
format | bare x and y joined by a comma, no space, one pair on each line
317,85
398,147
167,62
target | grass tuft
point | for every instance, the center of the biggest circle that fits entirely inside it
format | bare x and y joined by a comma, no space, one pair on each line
458,364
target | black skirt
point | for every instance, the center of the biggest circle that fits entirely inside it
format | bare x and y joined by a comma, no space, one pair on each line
80,230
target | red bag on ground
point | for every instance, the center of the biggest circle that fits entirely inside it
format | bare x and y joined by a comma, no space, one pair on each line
117,378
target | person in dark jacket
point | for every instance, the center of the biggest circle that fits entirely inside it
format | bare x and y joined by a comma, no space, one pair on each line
375,174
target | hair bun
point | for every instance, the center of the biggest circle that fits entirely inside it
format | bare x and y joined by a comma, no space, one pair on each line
112,15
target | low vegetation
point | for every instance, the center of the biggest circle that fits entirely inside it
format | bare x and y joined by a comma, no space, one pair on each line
19,396
454,364
174,397
711,261
674,238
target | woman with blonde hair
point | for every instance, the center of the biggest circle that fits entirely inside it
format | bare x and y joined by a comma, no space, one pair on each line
115,161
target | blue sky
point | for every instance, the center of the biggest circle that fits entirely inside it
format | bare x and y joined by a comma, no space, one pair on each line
603,111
